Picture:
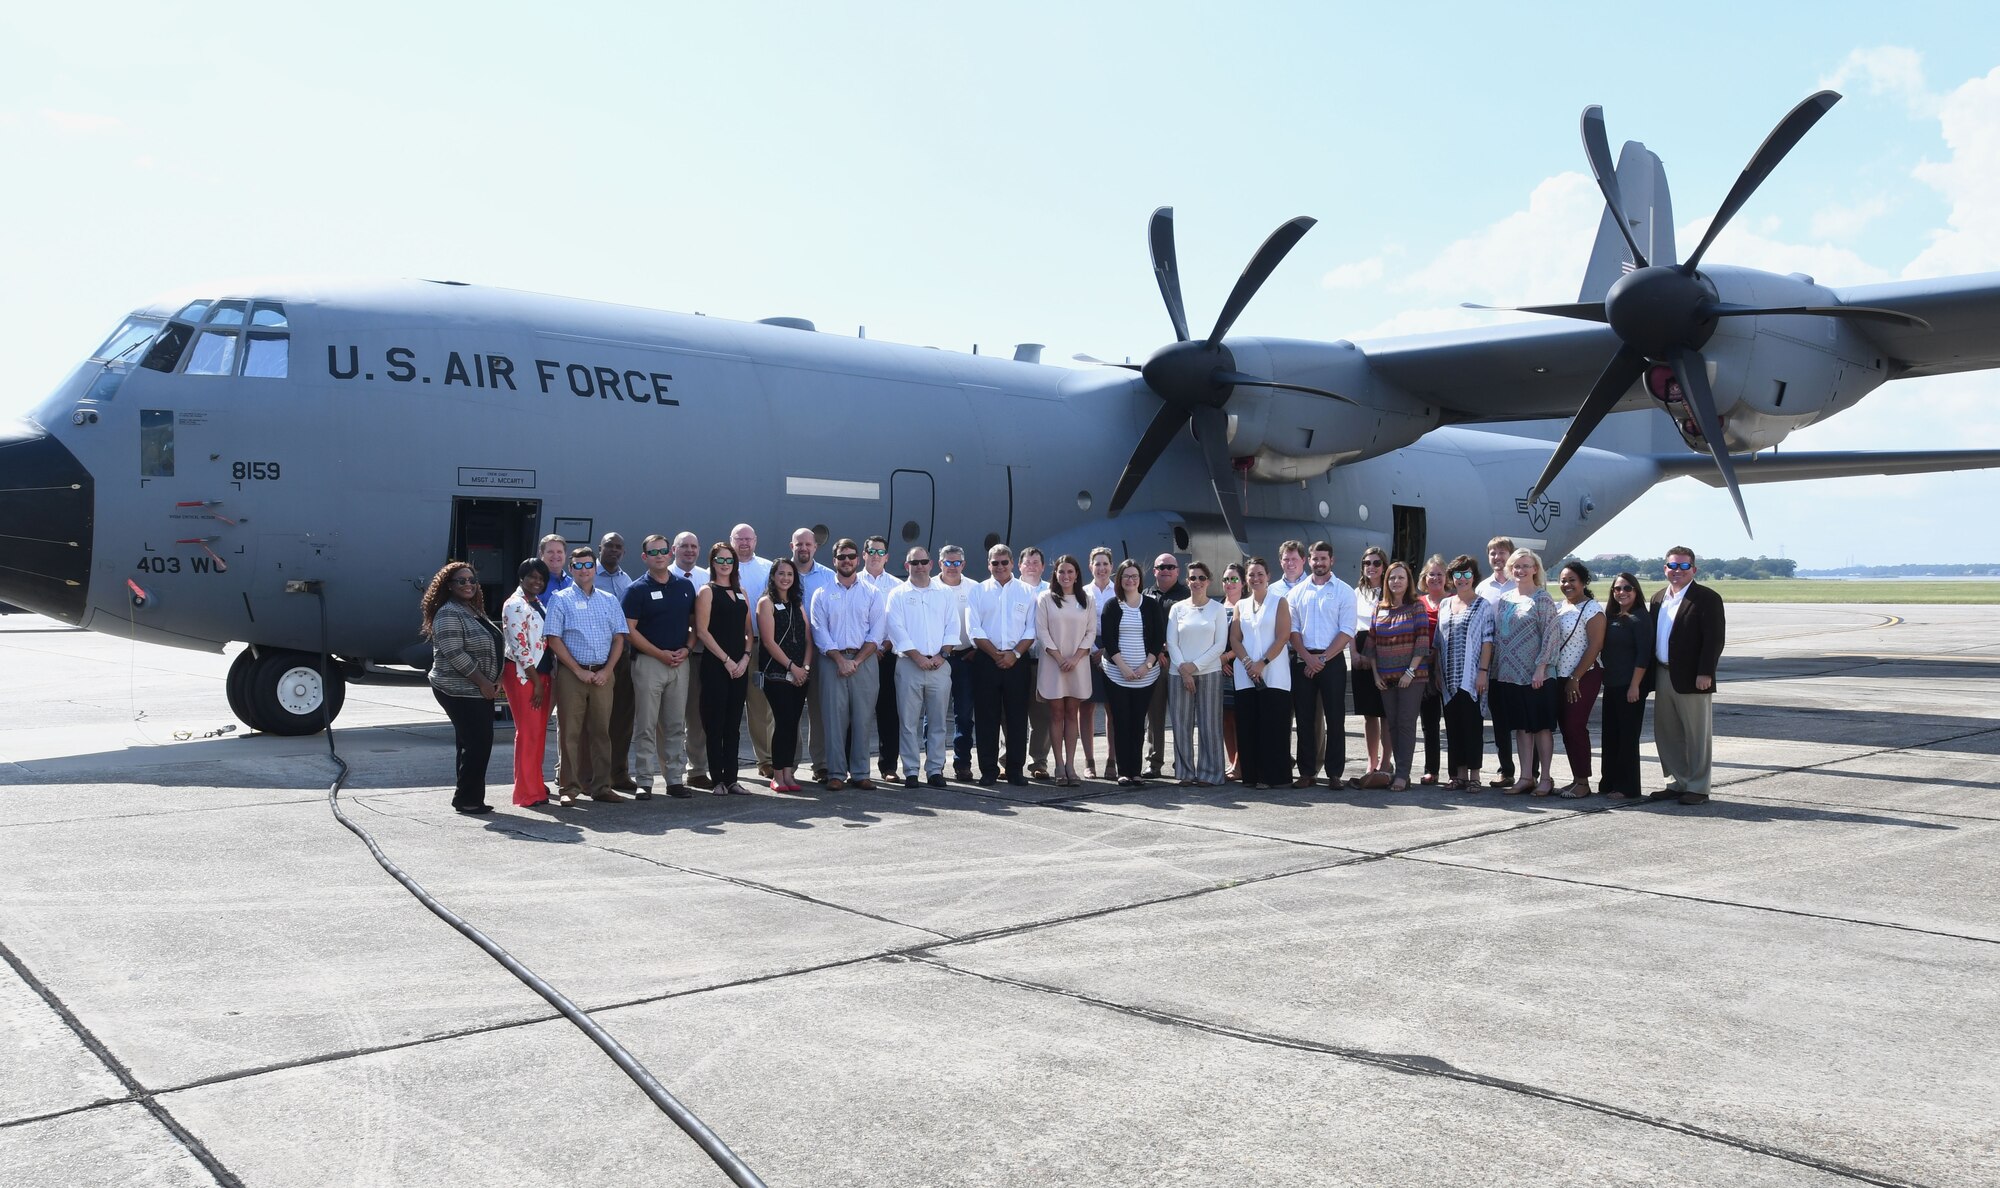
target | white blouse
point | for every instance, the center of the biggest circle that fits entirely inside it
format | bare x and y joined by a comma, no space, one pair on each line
1197,635
1260,628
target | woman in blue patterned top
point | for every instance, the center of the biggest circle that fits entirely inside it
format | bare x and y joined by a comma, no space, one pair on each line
1524,647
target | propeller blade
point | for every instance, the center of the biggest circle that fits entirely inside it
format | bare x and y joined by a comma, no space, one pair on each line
1619,375
1587,311
1212,426
1788,133
1257,272
1866,313
1597,147
1107,363
1251,381
1166,269
1166,423
1692,371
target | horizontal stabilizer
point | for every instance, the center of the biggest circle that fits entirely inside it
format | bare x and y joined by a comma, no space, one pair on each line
1794,466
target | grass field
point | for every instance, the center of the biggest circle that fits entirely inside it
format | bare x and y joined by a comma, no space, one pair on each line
1943,590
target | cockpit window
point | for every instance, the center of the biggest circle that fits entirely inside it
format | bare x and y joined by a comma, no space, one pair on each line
227,313
125,341
192,311
266,313
265,355
166,350
214,353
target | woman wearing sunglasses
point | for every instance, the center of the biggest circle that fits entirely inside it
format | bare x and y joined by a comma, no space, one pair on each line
1367,698
1464,636
1628,661
465,675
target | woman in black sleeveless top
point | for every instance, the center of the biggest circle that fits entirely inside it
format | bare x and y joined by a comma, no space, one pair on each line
722,620
784,663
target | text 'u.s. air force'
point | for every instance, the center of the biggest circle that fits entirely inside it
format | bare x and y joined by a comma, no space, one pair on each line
478,369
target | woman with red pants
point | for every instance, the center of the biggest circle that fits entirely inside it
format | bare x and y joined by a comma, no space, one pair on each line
529,692
1580,625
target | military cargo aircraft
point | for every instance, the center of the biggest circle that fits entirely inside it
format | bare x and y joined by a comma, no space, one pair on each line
284,463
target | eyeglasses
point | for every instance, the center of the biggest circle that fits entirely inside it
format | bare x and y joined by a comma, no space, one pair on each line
876,552
1228,581
845,556
1371,563
1623,590
1677,566
999,563
918,561
1466,574
583,565
657,552
464,579
1195,577
1169,565
722,560
952,564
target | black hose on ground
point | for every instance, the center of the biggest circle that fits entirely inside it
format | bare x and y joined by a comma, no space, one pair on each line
731,1164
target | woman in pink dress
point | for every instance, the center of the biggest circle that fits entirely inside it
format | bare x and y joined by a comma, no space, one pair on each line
1065,628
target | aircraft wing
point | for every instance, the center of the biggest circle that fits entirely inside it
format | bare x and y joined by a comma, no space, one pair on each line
1964,313
1794,465
1509,372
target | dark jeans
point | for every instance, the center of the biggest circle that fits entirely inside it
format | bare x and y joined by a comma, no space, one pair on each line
1128,723
1623,721
722,718
962,710
1462,731
472,723
1503,747
888,730
1328,692
787,702
1431,711
1000,693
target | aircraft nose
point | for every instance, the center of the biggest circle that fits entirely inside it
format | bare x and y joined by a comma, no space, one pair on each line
45,524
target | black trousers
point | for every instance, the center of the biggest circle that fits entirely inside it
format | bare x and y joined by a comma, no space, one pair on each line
1429,713
962,712
1000,694
722,718
472,723
1503,746
1462,732
1263,734
787,702
888,727
1328,692
1622,723
1128,723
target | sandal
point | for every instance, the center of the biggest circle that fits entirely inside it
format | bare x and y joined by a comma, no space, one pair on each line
1399,785
1546,788
1518,789
1575,792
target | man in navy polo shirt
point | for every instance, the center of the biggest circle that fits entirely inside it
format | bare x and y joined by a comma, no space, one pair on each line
658,608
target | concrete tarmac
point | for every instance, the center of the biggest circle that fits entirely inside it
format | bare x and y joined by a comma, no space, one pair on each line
207,980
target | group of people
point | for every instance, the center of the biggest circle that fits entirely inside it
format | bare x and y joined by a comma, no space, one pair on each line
650,678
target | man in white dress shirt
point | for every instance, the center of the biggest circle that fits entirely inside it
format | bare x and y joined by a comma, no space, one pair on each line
846,619
1322,626
813,577
951,575
887,735
1001,622
924,623
1493,589
687,551
755,573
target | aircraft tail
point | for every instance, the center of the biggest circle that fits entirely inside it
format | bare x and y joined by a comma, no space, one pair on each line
1792,466
1642,187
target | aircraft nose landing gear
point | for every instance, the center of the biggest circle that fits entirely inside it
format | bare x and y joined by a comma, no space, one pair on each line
280,691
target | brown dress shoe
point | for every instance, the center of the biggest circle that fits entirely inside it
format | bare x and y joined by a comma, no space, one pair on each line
608,797
835,785
765,769
1304,782
1694,798
864,784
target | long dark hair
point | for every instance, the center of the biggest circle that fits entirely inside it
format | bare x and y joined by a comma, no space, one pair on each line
439,592
1638,593
791,598
1080,585
735,582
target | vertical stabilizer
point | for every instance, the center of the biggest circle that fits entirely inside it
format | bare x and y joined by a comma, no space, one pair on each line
1642,187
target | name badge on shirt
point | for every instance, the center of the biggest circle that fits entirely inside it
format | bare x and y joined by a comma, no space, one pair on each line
657,595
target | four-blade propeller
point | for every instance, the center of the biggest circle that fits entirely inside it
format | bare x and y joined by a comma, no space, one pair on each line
1194,377
1664,311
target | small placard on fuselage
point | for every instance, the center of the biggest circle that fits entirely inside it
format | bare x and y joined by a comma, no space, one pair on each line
490,476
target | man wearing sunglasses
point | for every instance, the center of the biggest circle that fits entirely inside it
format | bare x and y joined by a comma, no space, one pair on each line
1688,627
658,609
1001,622
613,580
813,578
1166,591
1323,619
586,631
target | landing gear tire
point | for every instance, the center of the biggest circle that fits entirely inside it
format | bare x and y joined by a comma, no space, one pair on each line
284,693
237,688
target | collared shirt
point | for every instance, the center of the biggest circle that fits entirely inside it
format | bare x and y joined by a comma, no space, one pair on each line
1495,588
883,586
963,592
585,625
755,574
1100,597
1282,586
1003,614
697,577
1321,612
809,583
662,610
923,619
558,582
846,617
614,583
1663,626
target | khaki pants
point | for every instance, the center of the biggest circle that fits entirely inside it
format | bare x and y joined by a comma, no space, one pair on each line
1684,734
660,704
586,736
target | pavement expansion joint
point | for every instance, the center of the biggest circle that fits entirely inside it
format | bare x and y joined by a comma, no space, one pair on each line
1429,1066
134,1090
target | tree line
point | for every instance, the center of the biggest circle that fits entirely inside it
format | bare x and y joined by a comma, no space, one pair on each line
1748,568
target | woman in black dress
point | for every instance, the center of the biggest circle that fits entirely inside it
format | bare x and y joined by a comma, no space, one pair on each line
722,621
1627,658
785,664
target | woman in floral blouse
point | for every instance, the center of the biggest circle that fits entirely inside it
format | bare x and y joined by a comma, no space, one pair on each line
530,694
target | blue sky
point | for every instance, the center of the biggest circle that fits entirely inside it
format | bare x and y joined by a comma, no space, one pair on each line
948,175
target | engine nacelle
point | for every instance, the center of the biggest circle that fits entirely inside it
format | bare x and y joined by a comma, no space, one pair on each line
1292,436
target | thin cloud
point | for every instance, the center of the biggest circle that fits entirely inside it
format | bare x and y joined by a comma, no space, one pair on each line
1845,222
1969,179
1886,70
1356,275
80,123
